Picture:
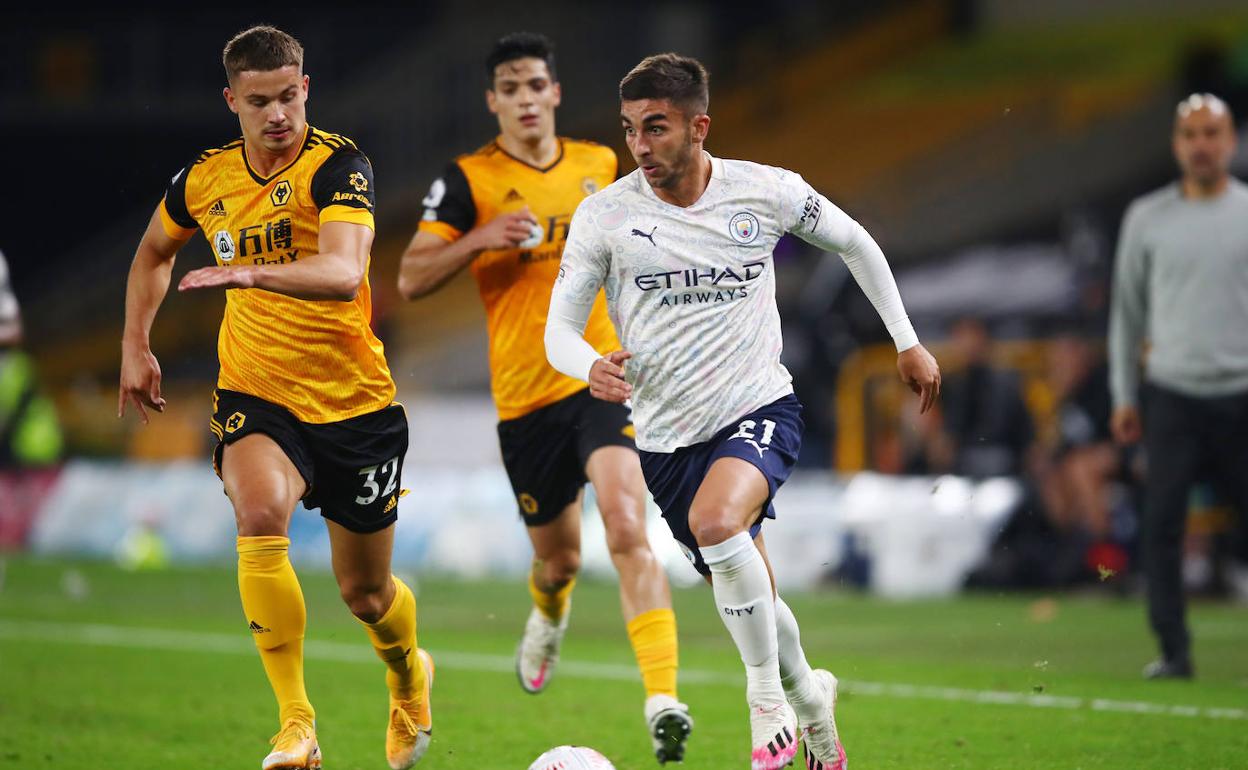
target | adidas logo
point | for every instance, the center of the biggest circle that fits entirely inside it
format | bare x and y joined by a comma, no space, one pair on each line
781,740
256,628
217,210
512,195
390,505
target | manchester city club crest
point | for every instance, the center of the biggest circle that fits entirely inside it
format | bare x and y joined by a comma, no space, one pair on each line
743,227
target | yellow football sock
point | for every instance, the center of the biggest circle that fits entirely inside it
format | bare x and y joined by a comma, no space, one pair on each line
394,639
552,605
273,604
653,636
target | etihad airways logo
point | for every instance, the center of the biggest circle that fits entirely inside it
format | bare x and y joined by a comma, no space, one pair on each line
701,286
692,278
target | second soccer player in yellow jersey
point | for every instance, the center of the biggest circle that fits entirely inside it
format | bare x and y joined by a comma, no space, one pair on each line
503,212
304,406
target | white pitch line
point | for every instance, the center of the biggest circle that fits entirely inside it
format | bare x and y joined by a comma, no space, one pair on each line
133,637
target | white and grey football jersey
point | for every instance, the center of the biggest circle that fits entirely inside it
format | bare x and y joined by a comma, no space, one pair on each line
692,293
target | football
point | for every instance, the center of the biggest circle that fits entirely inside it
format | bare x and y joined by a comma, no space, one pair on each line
571,758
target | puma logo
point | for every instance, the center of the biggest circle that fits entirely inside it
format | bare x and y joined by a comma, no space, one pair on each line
648,236
754,444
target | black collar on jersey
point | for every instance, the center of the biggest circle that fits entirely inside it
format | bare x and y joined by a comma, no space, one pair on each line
307,137
553,163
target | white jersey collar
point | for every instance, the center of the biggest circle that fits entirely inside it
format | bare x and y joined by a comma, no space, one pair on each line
717,172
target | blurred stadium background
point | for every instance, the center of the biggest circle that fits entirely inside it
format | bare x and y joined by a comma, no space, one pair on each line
990,146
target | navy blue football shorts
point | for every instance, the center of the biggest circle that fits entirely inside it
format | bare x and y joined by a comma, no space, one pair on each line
768,438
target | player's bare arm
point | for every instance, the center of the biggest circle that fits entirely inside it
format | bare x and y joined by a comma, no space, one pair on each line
146,286
335,273
919,370
430,260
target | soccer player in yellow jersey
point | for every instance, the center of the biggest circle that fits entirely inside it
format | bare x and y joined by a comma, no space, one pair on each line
503,212
304,405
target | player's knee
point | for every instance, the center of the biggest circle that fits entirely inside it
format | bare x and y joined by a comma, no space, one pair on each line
713,525
560,568
261,518
625,526
365,599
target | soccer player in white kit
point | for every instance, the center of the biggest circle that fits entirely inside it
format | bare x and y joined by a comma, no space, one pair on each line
683,247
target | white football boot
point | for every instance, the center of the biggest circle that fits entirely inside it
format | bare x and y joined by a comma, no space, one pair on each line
538,652
773,728
823,748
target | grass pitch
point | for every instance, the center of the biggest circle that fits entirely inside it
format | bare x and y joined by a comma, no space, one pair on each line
111,669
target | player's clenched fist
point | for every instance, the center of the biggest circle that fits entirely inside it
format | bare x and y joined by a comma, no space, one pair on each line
606,378
506,231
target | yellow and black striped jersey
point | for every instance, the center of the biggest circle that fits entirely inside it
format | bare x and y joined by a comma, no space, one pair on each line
515,283
319,359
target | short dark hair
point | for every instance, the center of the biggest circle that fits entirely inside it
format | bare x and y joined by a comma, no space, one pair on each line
261,48
681,79
520,45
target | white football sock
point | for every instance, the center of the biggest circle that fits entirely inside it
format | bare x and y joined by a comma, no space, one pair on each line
743,599
795,672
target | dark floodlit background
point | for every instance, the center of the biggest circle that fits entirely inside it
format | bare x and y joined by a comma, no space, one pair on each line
972,575
990,146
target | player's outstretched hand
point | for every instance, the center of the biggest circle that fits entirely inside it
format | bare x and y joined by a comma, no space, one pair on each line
140,382
217,277
606,378
507,231
920,371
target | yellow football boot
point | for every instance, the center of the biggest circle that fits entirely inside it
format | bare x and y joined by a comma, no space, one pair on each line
411,723
294,748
